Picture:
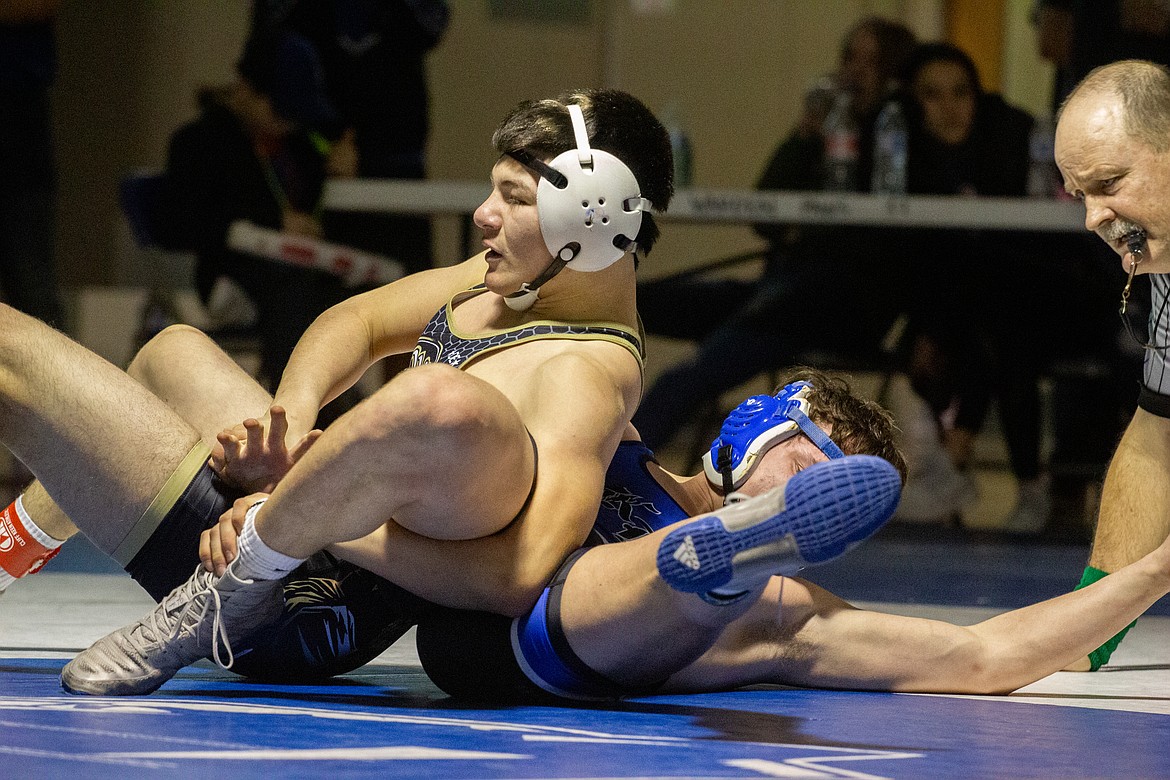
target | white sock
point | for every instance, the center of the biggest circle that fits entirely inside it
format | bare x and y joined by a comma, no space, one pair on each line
256,560
34,531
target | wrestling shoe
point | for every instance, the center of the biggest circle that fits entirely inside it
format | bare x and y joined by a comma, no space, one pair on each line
817,516
194,621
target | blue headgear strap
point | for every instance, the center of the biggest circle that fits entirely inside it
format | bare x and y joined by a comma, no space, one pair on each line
757,425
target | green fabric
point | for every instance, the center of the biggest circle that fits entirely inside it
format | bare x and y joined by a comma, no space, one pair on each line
1100,656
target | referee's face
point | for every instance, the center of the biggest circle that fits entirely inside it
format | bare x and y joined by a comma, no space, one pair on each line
1122,180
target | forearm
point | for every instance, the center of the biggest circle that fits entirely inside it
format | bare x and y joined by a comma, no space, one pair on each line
834,645
329,358
1025,645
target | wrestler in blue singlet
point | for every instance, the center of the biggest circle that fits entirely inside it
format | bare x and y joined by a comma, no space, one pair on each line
474,654
633,504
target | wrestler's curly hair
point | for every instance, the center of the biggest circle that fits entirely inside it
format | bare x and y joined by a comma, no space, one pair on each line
617,122
860,426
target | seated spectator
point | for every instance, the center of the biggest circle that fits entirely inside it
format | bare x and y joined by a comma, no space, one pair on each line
257,153
373,54
987,319
821,288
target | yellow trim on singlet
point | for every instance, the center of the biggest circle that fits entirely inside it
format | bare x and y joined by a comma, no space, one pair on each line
162,504
639,351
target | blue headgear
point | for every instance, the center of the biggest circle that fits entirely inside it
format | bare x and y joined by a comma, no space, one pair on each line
754,427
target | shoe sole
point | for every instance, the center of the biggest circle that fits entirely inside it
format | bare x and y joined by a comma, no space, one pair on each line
120,688
825,510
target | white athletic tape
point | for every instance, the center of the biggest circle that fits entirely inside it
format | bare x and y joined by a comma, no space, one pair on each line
354,266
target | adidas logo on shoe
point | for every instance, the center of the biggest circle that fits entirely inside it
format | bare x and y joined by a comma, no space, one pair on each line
686,554
818,515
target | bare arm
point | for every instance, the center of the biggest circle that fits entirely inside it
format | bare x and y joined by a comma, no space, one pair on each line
577,410
841,647
344,341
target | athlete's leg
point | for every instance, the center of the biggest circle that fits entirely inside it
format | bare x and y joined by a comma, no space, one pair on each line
199,381
101,445
635,629
1134,514
191,375
433,446
444,454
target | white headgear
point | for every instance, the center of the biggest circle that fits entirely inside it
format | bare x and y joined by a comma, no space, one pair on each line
590,209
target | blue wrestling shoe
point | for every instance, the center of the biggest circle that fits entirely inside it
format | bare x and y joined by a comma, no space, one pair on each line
818,515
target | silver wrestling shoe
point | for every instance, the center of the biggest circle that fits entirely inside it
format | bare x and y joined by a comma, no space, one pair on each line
194,621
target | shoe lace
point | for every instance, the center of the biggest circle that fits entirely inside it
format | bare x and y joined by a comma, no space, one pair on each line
188,605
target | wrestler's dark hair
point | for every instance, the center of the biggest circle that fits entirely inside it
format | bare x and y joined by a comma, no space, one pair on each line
617,122
1144,90
860,426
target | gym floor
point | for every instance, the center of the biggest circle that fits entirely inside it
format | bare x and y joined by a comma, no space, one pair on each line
387,720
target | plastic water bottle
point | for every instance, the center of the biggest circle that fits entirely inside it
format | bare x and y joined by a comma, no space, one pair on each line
841,146
889,151
1043,176
680,147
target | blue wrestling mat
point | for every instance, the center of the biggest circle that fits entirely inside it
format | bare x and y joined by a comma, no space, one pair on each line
390,722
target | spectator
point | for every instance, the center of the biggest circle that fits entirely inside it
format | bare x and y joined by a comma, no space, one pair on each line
373,53
255,154
1078,35
28,66
812,276
975,292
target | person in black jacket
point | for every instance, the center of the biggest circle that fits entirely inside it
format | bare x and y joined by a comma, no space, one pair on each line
257,153
374,58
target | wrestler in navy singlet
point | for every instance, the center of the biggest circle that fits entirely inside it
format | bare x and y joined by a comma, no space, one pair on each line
441,343
336,620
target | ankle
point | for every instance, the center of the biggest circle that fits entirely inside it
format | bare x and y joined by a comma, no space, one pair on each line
24,546
256,559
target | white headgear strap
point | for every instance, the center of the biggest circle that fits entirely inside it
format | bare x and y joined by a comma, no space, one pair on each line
590,209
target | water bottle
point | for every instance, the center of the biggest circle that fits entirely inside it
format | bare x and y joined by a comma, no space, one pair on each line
841,146
680,147
1043,176
889,151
